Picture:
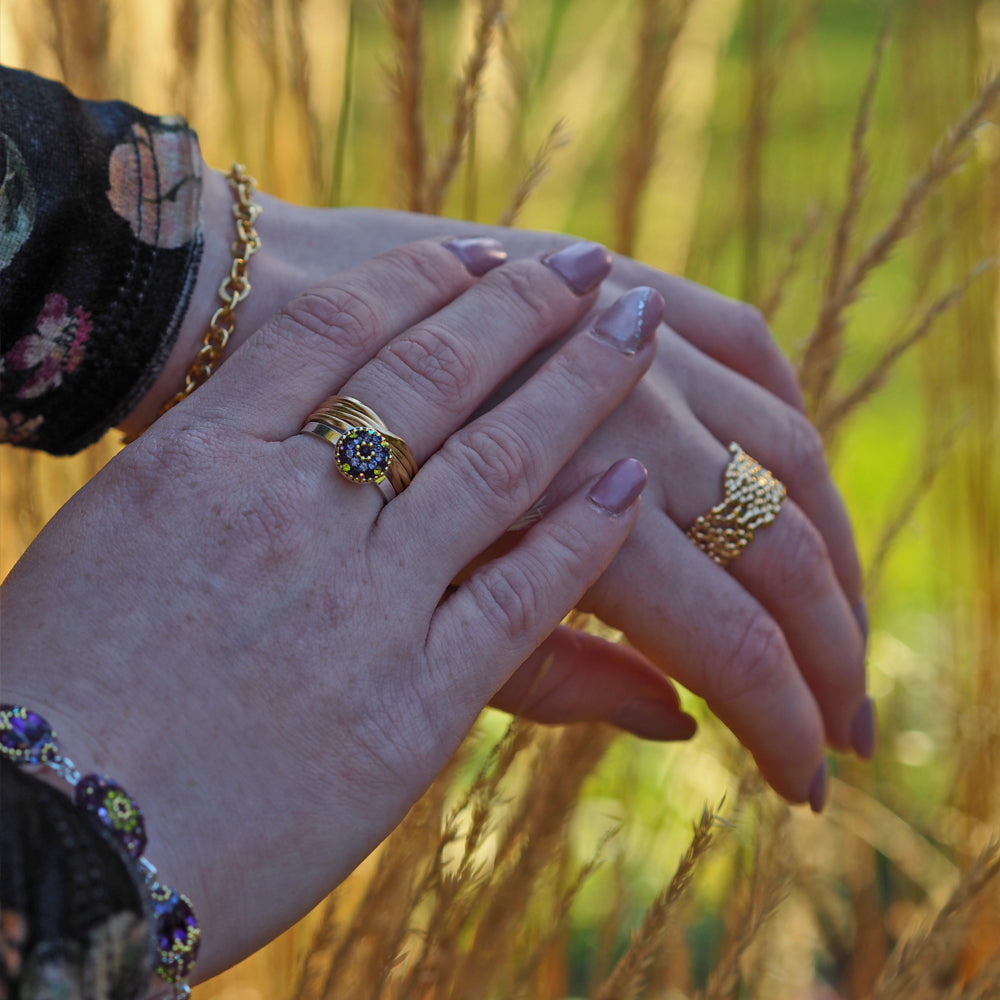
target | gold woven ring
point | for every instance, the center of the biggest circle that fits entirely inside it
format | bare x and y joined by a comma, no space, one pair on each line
751,499
367,451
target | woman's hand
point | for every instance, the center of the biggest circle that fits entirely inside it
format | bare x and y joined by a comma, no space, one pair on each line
776,645
270,658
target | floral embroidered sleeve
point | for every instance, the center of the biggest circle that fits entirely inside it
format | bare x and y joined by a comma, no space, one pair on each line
99,247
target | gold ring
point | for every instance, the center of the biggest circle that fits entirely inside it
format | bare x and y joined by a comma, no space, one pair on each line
367,451
752,497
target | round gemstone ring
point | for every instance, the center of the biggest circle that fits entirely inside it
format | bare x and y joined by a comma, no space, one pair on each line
366,450
363,455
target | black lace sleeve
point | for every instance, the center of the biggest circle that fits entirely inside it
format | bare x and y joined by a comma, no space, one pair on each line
99,247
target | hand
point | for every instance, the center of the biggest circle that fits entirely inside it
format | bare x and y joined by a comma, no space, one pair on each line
775,644
270,659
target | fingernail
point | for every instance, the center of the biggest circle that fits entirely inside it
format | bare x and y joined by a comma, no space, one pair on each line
654,720
583,266
630,323
817,790
863,730
861,615
619,487
479,254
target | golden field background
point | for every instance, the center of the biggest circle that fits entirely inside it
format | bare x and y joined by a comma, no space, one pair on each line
837,162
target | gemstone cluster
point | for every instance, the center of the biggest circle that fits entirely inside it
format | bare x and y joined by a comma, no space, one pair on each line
363,455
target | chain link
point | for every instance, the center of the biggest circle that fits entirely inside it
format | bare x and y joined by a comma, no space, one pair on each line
234,289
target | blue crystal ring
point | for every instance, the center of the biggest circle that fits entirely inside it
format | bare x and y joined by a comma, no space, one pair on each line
366,450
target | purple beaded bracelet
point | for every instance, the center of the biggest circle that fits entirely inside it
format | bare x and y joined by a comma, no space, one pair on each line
28,740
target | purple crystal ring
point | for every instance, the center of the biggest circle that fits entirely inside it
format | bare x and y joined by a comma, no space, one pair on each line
366,451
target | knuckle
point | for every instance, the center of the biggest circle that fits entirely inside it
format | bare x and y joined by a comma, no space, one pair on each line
753,664
509,598
519,289
568,542
804,448
399,731
804,564
578,380
433,362
168,460
335,314
751,333
490,457
415,267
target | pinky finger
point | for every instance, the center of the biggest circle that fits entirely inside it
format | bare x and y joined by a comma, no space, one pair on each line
501,614
575,676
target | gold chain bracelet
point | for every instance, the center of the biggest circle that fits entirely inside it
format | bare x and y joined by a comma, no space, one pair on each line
233,290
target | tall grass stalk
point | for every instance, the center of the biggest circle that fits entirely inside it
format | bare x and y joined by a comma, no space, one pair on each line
943,160
467,92
405,19
660,23
824,347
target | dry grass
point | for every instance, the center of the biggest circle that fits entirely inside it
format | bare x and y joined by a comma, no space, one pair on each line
541,863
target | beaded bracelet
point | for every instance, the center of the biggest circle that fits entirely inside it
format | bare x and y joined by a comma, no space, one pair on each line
28,740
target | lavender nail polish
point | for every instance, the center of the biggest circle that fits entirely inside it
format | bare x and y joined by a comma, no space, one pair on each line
630,323
817,790
863,730
653,720
583,266
619,487
479,254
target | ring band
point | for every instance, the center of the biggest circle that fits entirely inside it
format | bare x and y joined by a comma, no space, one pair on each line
367,451
752,497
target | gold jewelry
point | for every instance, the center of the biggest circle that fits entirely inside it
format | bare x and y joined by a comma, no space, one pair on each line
233,290
367,451
752,497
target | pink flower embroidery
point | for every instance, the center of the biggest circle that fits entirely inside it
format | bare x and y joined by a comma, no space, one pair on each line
17,430
153,183
55,349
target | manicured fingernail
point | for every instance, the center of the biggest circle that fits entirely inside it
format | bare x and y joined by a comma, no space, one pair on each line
479,254
630,323
861,615
654,720
817,790
583,266
863,730
619,487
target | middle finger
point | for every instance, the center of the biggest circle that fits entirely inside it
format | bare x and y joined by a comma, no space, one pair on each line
430,379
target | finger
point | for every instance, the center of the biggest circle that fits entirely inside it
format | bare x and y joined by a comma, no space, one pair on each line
779,437
430,379
788,570
502,613
322,336
489,472
578,677
732,332
730,651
